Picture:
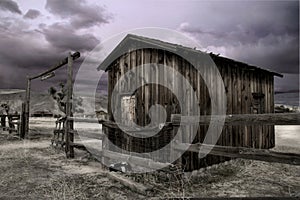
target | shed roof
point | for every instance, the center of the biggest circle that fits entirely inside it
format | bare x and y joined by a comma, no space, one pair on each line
134,41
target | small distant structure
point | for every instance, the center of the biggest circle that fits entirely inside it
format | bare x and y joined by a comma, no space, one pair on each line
42,114
11,110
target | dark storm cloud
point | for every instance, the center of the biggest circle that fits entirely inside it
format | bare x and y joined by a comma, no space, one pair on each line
64,37
32,14
290,82
80,14
25,49
261,33
30,52
265,34
277,53
9,5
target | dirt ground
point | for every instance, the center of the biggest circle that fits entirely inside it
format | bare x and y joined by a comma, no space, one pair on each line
32,169
35,170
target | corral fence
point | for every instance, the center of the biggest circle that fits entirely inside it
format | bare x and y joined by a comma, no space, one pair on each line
62,133
13,123
10,122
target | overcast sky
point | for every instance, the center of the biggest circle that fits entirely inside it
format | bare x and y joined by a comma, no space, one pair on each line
34,34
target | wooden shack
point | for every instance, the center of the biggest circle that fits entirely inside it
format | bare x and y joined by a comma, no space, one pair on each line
249,89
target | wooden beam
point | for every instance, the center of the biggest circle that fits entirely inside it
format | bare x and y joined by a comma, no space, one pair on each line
113,125
98,136
16,122
87,120
63,62
142,132
139,161
239,119
242,152
137,187
11,115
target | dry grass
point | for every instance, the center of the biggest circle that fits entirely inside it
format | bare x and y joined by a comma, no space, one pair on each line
31,169
235,178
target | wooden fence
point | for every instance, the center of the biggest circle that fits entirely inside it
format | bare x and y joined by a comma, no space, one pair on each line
227,151
11,123
59,133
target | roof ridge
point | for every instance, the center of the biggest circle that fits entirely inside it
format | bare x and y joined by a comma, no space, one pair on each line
157,42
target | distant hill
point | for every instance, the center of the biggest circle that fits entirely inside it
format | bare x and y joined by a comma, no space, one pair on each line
44,102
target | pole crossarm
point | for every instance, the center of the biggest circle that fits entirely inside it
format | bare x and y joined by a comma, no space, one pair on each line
57,66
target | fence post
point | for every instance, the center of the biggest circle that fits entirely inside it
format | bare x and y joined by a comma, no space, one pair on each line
22,121
10,124
3,121
69,123
27,108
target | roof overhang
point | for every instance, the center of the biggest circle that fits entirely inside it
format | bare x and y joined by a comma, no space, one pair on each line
133,42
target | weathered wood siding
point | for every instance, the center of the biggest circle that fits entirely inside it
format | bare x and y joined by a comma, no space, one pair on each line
240,84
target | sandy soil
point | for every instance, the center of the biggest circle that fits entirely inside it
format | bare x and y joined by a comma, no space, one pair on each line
287,136
32,169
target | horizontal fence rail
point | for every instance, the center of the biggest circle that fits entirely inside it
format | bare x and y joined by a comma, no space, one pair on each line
242,152
235,119
134,131
226,151
239,119
11,115
144,162
87,120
